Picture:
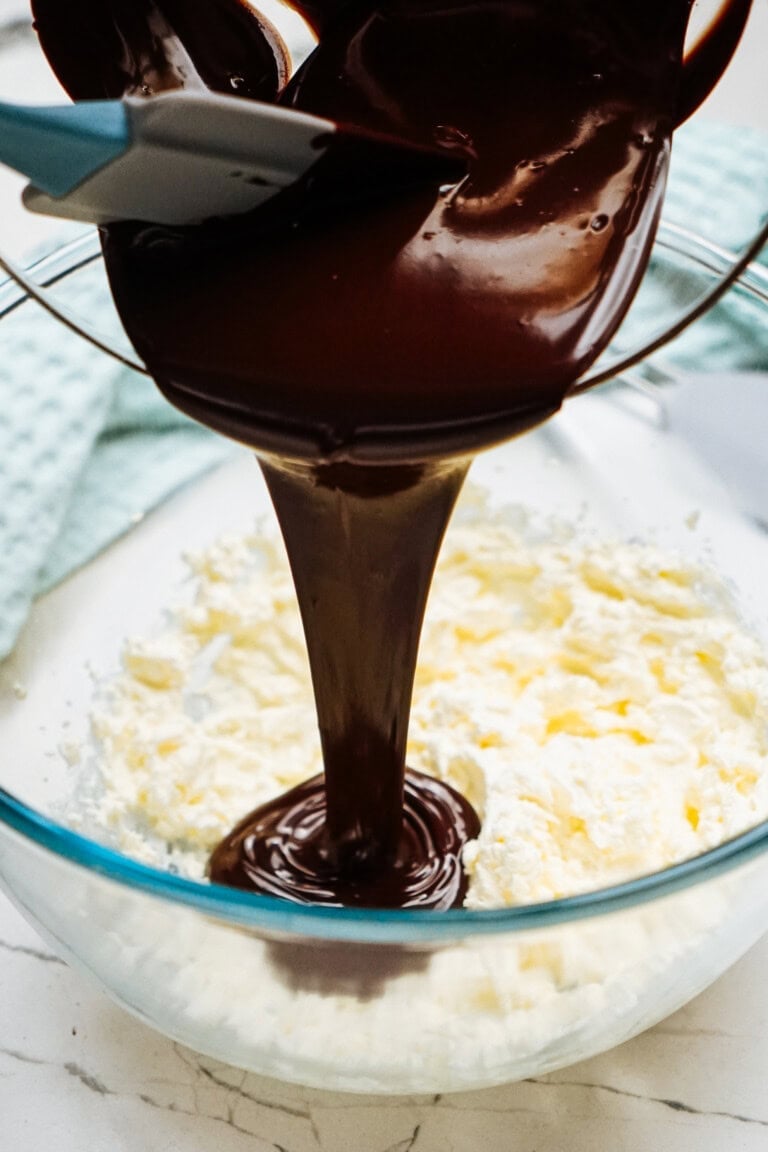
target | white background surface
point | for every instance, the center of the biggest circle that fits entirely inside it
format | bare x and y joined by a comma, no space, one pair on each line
76,1073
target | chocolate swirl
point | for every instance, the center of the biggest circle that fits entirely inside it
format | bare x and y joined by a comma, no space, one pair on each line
282,850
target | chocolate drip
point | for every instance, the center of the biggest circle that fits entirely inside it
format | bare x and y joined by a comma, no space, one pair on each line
362,588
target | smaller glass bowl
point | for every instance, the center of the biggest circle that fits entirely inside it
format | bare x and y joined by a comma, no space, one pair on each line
362,1000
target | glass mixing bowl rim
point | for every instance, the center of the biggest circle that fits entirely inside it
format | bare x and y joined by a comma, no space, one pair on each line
732,270
366,925
397,927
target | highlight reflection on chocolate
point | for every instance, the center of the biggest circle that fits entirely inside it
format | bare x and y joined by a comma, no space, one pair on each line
367,349
286,849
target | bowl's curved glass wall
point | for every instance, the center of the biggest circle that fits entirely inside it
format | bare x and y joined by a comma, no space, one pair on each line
396,1006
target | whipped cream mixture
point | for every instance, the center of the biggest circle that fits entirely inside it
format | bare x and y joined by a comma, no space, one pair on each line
598,702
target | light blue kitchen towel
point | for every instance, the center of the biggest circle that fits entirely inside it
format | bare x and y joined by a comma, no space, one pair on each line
87,447
718,189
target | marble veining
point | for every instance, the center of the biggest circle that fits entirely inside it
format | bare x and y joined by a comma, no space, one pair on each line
674,1105
34,953
76,1072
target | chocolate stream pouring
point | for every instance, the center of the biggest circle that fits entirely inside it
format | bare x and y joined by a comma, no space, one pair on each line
366,350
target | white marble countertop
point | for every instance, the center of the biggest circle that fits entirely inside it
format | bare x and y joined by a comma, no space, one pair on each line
77,1073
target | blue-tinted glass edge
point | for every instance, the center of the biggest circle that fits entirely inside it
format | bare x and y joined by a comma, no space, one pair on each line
371,925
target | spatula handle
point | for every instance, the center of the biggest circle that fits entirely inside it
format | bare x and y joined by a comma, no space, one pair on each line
59,147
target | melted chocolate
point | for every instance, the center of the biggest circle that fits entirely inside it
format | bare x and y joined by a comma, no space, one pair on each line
366,347
110,48
286,849
431,322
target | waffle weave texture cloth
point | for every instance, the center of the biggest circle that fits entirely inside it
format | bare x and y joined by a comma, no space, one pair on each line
87,447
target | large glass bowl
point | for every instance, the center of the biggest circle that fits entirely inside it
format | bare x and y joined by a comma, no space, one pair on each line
361,1000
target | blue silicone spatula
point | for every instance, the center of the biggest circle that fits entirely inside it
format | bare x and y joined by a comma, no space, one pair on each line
183,157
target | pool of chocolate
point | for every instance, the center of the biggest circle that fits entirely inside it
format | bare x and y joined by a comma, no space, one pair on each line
366,347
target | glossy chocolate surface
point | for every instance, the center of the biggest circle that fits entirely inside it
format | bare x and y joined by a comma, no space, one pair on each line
367,345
